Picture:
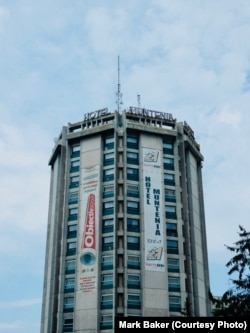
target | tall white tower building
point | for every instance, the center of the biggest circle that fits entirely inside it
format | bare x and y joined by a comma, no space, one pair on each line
126,223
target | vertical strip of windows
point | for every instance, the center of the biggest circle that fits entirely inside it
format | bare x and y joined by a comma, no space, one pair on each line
173,265
109,142
175,303
107,262
75,151
106,322
168,147
106,301
132,142
133,262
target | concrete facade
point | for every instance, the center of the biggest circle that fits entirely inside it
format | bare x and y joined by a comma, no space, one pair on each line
126,223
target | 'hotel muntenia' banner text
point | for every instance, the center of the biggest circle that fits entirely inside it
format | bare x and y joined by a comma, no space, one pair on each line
153,218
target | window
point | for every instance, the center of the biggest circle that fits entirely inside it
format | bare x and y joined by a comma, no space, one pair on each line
133,262
109,143
107,225
69,285
170,195
133,207
68,325
133,191
108,191
68,304
133,243
174,284
73,214
132,142
173,265
109,158
133,225
171,229
107,301
133,174
107,281
107,243
168,148
107,262
172,246
106,322
74,182
170,212
134,301
75,152
108,208
134,281
73,198
71,249
75,166
72,231
175,303
70,266
169,179
168,163
108,175
132,158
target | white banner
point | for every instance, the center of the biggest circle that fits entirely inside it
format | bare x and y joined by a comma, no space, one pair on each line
89,230
153,215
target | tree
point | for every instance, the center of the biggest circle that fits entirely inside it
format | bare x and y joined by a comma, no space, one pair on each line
236,300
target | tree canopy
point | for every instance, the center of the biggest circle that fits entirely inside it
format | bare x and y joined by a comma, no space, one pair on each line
236,300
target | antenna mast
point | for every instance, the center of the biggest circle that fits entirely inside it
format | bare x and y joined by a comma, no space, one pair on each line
139,100
118,94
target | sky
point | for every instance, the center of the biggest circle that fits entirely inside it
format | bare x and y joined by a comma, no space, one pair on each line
58,61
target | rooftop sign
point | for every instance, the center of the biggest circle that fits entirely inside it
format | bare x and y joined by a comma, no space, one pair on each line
132,110
150,113
96,114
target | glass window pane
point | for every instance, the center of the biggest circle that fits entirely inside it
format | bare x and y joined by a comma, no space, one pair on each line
134,240
170,209
108,240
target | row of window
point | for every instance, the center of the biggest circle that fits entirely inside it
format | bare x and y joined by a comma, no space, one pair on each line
132,142
132,174
133,225
133,282
133,262
109,158
133,302
132,157
106,320
133,207
133,191
133,243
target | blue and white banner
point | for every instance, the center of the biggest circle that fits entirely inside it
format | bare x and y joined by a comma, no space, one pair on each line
153,214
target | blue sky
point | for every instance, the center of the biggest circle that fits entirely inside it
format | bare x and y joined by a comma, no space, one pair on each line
58,60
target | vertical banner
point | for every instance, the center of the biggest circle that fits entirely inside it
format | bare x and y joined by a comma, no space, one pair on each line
89,229
153,215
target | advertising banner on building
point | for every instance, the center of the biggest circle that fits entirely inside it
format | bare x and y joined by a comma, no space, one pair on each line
153,215
89,230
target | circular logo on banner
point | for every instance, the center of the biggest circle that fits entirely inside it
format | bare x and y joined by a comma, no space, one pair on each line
88,258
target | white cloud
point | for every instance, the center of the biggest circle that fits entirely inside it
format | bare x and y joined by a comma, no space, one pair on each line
19,325
20,303
229,116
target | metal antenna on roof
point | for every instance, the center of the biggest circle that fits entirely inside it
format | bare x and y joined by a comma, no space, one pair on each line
139,100
118,94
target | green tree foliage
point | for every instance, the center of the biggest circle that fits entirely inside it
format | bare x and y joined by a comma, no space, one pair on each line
236,300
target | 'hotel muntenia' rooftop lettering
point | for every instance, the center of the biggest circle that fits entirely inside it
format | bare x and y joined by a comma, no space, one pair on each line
150,113
96,114
132,110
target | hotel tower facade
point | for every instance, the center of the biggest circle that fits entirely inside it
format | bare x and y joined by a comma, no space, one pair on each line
126,223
